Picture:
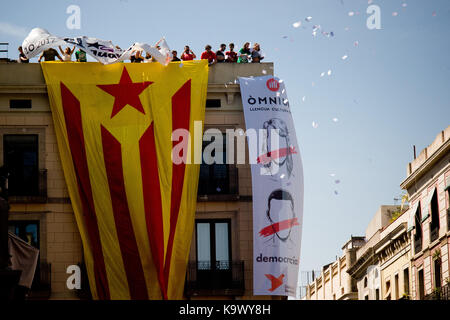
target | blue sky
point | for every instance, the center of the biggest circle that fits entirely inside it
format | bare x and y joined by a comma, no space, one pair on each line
392,92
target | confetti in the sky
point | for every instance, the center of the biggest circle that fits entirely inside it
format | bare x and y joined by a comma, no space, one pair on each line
280,81
315,125
304,98
395,13
369,1
356,43
344,57
335,192
434,14
404,5
284,37
337,181
335,119
308,19
322,74
351,13
285,101
297,24
332,174
282,176
283,91
264,71
329,72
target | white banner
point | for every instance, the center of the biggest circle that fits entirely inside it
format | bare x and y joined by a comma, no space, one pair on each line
277,184
103,51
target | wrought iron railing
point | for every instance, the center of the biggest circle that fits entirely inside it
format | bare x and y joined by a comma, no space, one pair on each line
219,278
441,293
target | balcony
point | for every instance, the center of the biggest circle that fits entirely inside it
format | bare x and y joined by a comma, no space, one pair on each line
442,293
39,194
225,278
434,233
212,188
417,245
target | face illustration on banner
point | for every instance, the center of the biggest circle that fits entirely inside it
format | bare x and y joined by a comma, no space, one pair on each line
276,152
281,216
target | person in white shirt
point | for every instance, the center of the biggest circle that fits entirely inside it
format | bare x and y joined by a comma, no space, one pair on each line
67,54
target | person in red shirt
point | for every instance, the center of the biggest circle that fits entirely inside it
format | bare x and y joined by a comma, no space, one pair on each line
231,56
209,55
187,54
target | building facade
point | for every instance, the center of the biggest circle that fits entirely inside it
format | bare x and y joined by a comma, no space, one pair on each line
428,184
221,255
334,282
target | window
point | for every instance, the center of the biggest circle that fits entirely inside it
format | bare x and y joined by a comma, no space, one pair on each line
418,232
365,282
434,225
28,231
217,178
406,281
421,285
437,273
213,244
388,290
366,297
214,267
213,103
20,156
377,294
20,104
396,287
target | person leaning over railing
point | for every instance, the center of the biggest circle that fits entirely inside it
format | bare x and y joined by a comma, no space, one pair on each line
231,55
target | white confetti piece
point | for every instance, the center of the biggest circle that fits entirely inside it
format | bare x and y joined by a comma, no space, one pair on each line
404,5
315,125
304,98
280,81
395,13
329,72
282,176
335,119
308,19
351,13
356,43
297,24
264,71
332,174
322,74
344,57
285,101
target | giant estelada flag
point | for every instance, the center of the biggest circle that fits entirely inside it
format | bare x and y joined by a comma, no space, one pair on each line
134,207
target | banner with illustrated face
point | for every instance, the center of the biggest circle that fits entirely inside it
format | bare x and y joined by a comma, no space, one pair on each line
277,184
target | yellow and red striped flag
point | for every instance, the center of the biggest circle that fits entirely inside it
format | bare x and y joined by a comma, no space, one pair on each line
134,207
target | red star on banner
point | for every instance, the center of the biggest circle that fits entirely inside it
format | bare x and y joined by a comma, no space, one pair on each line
126,92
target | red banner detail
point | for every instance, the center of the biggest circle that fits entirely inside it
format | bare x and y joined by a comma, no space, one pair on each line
112,154
181,111
282,225
74,126
274,281
152,202
283,152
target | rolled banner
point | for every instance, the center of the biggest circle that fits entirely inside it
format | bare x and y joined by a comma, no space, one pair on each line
104,51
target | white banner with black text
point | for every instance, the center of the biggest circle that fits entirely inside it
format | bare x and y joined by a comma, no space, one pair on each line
277,186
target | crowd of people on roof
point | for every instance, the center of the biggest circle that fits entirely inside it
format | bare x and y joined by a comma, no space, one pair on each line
244,55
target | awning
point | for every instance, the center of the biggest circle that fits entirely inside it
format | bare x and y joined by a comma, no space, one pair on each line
412,215
426,211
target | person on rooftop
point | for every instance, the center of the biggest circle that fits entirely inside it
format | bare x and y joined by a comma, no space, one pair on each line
220,54
231,56
188,54
209,55
22,57
67,53
49,55
174,56
136,56
80,55
244,53
256,53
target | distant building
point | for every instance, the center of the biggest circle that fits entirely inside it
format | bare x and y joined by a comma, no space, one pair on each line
428,184
334,283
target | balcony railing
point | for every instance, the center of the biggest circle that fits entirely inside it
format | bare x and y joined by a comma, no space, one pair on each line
442,293
434,233
417,245
221,278
229,190
38,196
